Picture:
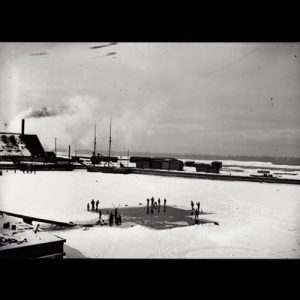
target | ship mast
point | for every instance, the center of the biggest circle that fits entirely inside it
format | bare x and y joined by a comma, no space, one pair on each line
95,131
95,140
109,147
127,157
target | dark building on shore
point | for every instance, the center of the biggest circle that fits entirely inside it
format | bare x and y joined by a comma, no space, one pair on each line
166,163
158,163
214,167
21,147
217,164
190,163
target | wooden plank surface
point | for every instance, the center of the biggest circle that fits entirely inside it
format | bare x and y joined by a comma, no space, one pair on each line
38,219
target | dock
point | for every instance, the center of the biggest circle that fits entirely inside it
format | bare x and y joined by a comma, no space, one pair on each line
211,176
20,240
30,219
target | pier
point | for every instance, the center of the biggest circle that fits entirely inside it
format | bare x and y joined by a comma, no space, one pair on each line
212,176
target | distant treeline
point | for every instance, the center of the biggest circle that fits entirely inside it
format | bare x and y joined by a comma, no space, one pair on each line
274,160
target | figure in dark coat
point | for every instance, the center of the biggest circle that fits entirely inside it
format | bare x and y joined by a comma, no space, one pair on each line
152,201
192,205
93,204
117,218
111,219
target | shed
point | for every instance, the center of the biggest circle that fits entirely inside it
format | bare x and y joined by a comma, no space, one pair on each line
202,167
146,164
217,164
134,159
156,163
167,163
190,163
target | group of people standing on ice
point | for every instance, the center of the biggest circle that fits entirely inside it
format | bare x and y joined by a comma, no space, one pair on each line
196,211
92,206
115,217
155,205
95,207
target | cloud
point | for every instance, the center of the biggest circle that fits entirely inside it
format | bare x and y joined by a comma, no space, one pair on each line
73,123
38,54
236,95
107,54
102,46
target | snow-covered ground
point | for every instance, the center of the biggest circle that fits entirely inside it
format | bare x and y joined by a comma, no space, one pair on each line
257,220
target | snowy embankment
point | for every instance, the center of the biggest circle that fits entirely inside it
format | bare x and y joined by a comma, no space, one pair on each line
257,220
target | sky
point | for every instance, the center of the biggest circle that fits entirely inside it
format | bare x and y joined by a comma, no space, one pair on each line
198,98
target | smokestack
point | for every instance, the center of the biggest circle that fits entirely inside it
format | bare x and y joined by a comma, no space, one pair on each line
23,127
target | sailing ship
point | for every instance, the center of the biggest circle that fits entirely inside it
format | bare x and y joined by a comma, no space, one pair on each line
108,167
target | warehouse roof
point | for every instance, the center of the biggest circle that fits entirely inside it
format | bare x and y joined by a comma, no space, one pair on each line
15,144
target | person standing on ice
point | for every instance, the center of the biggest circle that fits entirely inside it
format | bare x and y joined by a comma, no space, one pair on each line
165,205
158,202
97,204
152,201
111,219
116,217
148,202
196,215
88,207
198,204
93,204
192,205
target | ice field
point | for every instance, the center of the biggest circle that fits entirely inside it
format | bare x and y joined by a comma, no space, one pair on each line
257,220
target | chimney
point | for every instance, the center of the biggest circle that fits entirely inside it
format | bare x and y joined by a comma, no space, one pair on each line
23,126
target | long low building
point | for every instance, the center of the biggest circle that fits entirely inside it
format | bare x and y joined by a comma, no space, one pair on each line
158,163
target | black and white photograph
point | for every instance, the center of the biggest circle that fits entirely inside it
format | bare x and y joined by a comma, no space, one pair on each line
150,150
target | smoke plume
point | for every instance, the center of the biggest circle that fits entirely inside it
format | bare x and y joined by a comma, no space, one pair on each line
73,123
51,111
